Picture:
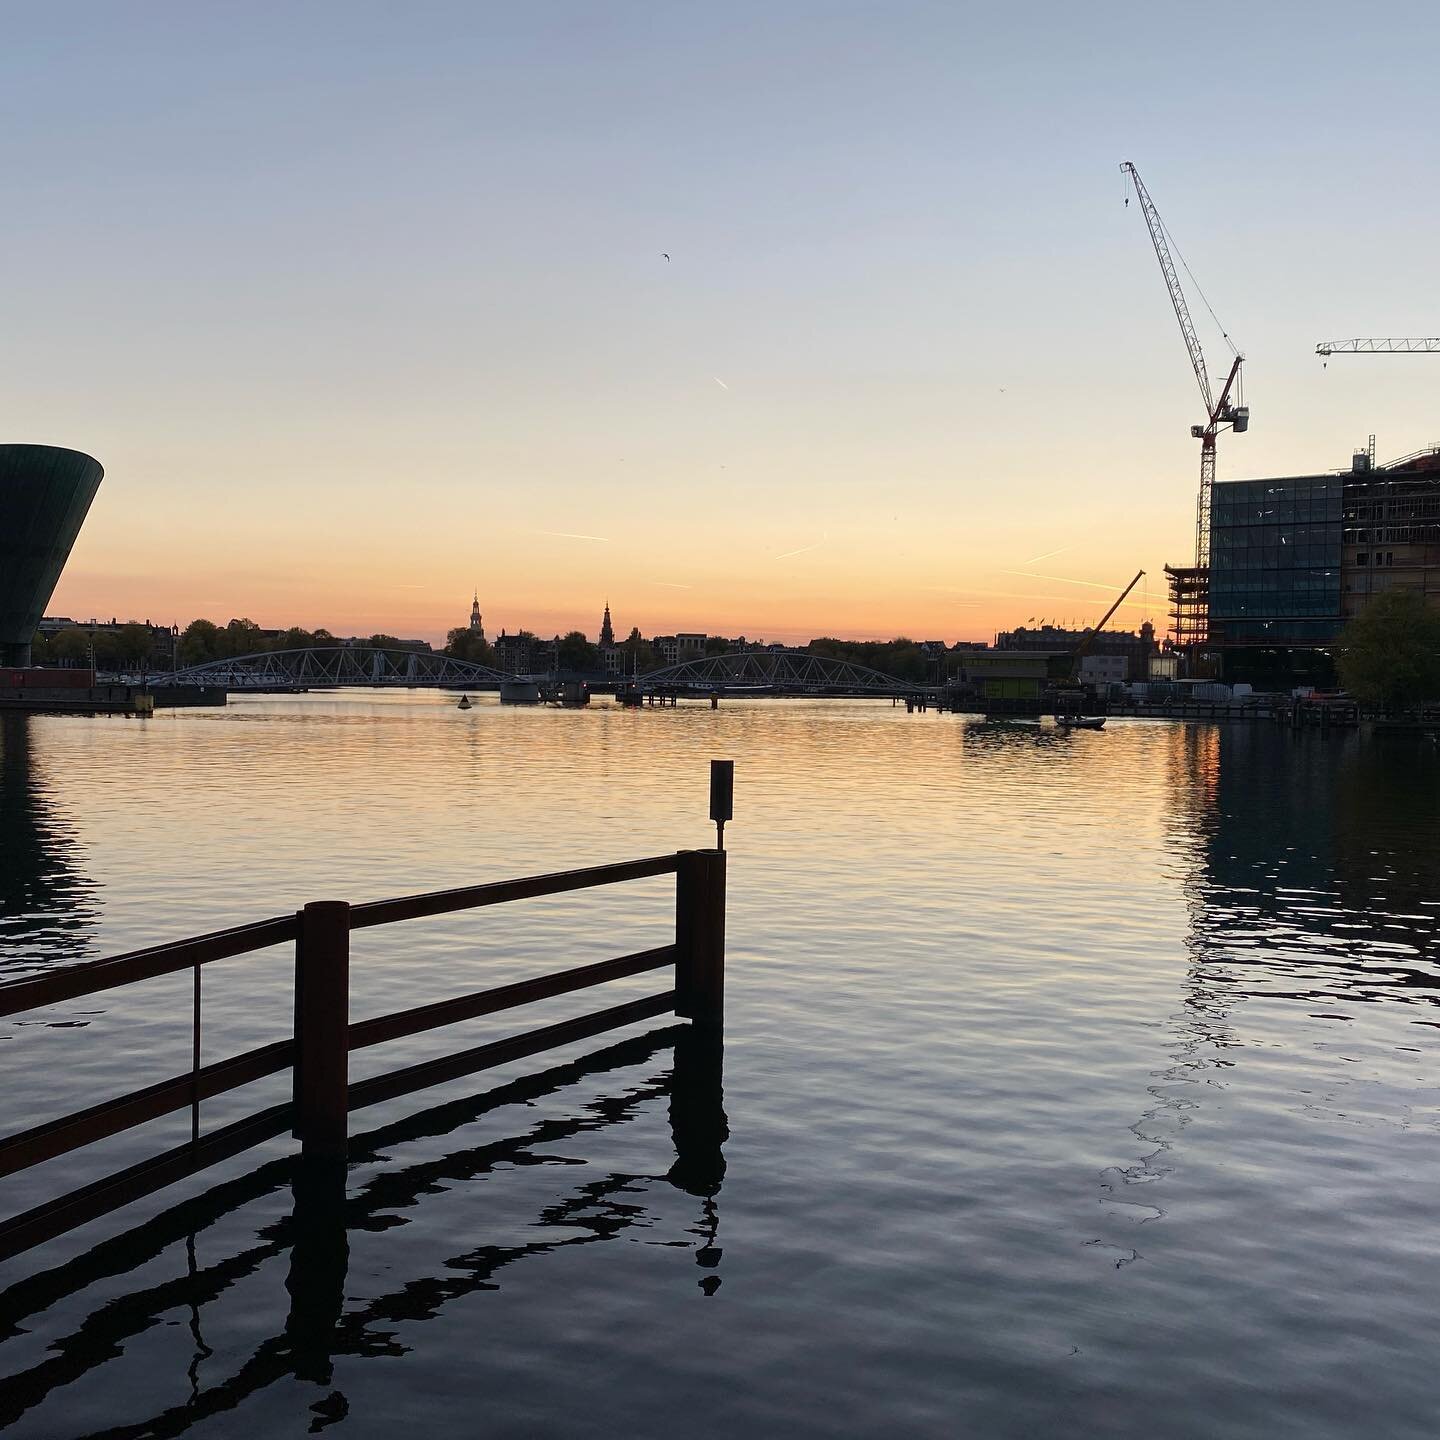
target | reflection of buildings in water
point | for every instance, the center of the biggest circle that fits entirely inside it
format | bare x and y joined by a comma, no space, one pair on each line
1308,864
319,1327
1318,868
47,904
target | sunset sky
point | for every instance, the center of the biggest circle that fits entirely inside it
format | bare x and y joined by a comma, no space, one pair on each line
363,306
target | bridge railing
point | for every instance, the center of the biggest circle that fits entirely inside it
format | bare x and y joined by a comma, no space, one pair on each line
317,1054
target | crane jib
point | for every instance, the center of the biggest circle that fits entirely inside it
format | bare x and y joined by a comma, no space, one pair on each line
1217,412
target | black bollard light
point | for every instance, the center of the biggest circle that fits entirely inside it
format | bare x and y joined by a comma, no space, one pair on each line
722,797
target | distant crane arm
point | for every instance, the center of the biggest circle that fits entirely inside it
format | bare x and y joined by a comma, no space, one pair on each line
1088,638
1172,283
1428,346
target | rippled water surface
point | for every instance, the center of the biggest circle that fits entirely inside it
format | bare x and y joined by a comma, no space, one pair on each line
1072,1085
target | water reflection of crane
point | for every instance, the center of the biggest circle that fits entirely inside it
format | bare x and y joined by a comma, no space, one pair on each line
1202,1029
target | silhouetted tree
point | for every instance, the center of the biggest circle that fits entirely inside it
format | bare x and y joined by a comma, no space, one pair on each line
575,652
241,637
200,642
902,658
640,654
133,646
296,638
70,646
1390,652
464,644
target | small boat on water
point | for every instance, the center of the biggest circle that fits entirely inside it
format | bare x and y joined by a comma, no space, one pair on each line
465,703
1080,722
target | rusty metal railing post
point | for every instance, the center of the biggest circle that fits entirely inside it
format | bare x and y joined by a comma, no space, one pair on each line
700,937
322,1029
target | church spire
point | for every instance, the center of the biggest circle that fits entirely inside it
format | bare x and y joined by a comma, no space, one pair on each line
477,626
607,630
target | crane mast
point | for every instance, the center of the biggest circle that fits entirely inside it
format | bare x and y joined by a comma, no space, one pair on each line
1218,413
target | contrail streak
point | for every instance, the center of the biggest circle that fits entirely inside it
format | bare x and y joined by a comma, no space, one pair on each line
1062,580
1048,555
570,535
1055,599
719,382
669,584
804,549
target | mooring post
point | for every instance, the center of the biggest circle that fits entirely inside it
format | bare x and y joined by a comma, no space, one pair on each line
322,1029
700,937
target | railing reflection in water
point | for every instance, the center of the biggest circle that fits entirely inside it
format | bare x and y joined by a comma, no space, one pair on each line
318,1327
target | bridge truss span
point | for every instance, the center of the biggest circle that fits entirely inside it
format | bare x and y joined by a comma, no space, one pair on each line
329,667
775,672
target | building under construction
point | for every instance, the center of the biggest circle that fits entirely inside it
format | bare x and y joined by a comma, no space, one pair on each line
1293,558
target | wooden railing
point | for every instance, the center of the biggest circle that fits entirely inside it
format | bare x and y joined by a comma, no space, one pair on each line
318,1053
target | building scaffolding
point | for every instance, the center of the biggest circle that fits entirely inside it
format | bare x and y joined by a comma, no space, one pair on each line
1189,606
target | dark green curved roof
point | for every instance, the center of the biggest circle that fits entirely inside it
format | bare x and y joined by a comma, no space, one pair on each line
45,494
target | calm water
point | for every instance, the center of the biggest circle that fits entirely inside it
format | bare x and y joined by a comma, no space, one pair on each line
1073,1085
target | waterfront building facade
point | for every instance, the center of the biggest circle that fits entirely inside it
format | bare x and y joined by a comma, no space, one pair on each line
163,638
1136,648
1275,561
677,649
524,654
1012,674
1293,558
1102,671
1391,530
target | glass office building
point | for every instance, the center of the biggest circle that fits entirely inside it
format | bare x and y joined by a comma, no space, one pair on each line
1275,553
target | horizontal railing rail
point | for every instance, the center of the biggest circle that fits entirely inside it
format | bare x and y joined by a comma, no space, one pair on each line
317,1054
503,892
93,976
505,997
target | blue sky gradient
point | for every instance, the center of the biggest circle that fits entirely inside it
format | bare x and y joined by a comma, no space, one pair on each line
362,305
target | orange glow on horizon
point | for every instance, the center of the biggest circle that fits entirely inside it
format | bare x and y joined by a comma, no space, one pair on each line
414,612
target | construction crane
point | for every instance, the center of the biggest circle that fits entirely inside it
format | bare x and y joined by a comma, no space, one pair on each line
1082,647
1226,410
1326,348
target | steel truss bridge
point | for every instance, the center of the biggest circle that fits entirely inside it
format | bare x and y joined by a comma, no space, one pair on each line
742,672
774,672
329,667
